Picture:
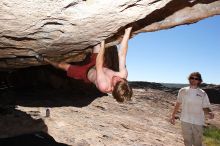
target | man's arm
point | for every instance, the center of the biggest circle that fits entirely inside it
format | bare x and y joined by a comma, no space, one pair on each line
176,108
206,105
61,65
123,52
101,78
100,57
209,112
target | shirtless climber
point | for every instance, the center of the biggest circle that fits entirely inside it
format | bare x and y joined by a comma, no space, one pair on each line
105,79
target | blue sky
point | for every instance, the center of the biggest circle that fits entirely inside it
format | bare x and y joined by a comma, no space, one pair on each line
169,56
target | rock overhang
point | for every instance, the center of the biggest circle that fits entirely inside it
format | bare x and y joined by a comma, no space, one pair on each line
66,30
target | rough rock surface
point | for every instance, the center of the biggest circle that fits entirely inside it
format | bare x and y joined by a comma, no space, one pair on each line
65,30
214,93
142,121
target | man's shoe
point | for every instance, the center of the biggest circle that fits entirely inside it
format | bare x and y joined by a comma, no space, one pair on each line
39,58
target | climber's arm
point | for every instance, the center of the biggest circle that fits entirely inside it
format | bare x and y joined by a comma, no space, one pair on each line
123,52
101,77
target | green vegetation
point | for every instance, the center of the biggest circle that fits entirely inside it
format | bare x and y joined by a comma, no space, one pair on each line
211,136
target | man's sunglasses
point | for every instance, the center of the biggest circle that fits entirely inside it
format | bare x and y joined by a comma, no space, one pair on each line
192,78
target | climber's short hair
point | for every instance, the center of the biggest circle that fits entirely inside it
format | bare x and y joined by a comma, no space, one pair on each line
122,91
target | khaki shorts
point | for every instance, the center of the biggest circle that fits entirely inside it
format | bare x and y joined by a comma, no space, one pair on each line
192,134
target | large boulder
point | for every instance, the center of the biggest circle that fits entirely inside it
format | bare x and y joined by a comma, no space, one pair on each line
65,30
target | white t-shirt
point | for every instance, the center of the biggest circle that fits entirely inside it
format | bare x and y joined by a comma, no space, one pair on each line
193,101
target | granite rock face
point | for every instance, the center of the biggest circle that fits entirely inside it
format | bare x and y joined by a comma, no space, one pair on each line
66,30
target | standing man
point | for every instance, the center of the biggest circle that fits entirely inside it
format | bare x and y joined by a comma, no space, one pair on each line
105,79
194,103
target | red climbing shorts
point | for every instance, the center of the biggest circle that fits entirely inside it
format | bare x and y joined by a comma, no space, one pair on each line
80,72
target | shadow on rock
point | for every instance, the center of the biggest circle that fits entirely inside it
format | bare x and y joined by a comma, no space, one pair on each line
19,128
33,139
15,122
49,97
45,87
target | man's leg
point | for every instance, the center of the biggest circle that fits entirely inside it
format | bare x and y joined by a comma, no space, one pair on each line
187,133
197,135
60,65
